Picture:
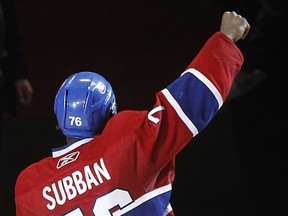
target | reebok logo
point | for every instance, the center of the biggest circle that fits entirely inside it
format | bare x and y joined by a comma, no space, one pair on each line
67,159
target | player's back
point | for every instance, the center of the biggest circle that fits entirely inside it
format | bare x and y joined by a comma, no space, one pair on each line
108,173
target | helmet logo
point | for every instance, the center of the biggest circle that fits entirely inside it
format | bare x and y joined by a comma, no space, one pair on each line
101,87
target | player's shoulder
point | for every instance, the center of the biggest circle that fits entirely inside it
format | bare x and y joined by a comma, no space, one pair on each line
128,117
126,120
32,173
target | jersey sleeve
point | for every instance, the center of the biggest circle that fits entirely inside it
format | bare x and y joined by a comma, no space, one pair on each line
188,104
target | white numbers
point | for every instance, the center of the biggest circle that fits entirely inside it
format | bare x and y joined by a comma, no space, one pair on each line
103,204
75,121
110,200
153,111
75,212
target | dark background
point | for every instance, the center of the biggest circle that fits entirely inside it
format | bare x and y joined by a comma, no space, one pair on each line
237,166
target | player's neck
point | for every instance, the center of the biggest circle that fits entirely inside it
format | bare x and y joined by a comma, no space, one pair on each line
70,140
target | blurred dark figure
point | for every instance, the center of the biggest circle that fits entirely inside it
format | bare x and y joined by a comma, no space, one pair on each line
15,88
264,51
14,83
259,96
266,48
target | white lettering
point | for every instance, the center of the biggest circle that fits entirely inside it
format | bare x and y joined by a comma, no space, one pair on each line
90,179
101,170
69,187
51,199
79,183
63,195
75,184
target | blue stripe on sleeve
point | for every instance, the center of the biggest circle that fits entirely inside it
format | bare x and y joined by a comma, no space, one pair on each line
155,206
196,101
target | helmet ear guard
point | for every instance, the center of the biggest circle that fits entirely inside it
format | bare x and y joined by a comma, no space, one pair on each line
83,104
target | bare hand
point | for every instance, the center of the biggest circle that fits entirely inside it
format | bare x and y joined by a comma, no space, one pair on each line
24,91
234,26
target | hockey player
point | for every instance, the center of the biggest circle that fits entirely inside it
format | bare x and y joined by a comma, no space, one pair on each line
124,163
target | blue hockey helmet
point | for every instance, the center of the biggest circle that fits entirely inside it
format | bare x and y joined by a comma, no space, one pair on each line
83,104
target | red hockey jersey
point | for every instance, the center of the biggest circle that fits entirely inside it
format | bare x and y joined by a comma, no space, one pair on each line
129,169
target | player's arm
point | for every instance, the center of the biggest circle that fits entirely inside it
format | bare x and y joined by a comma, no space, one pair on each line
192,100
198,94
221,61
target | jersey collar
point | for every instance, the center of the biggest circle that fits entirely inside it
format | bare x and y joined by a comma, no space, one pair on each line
56,152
